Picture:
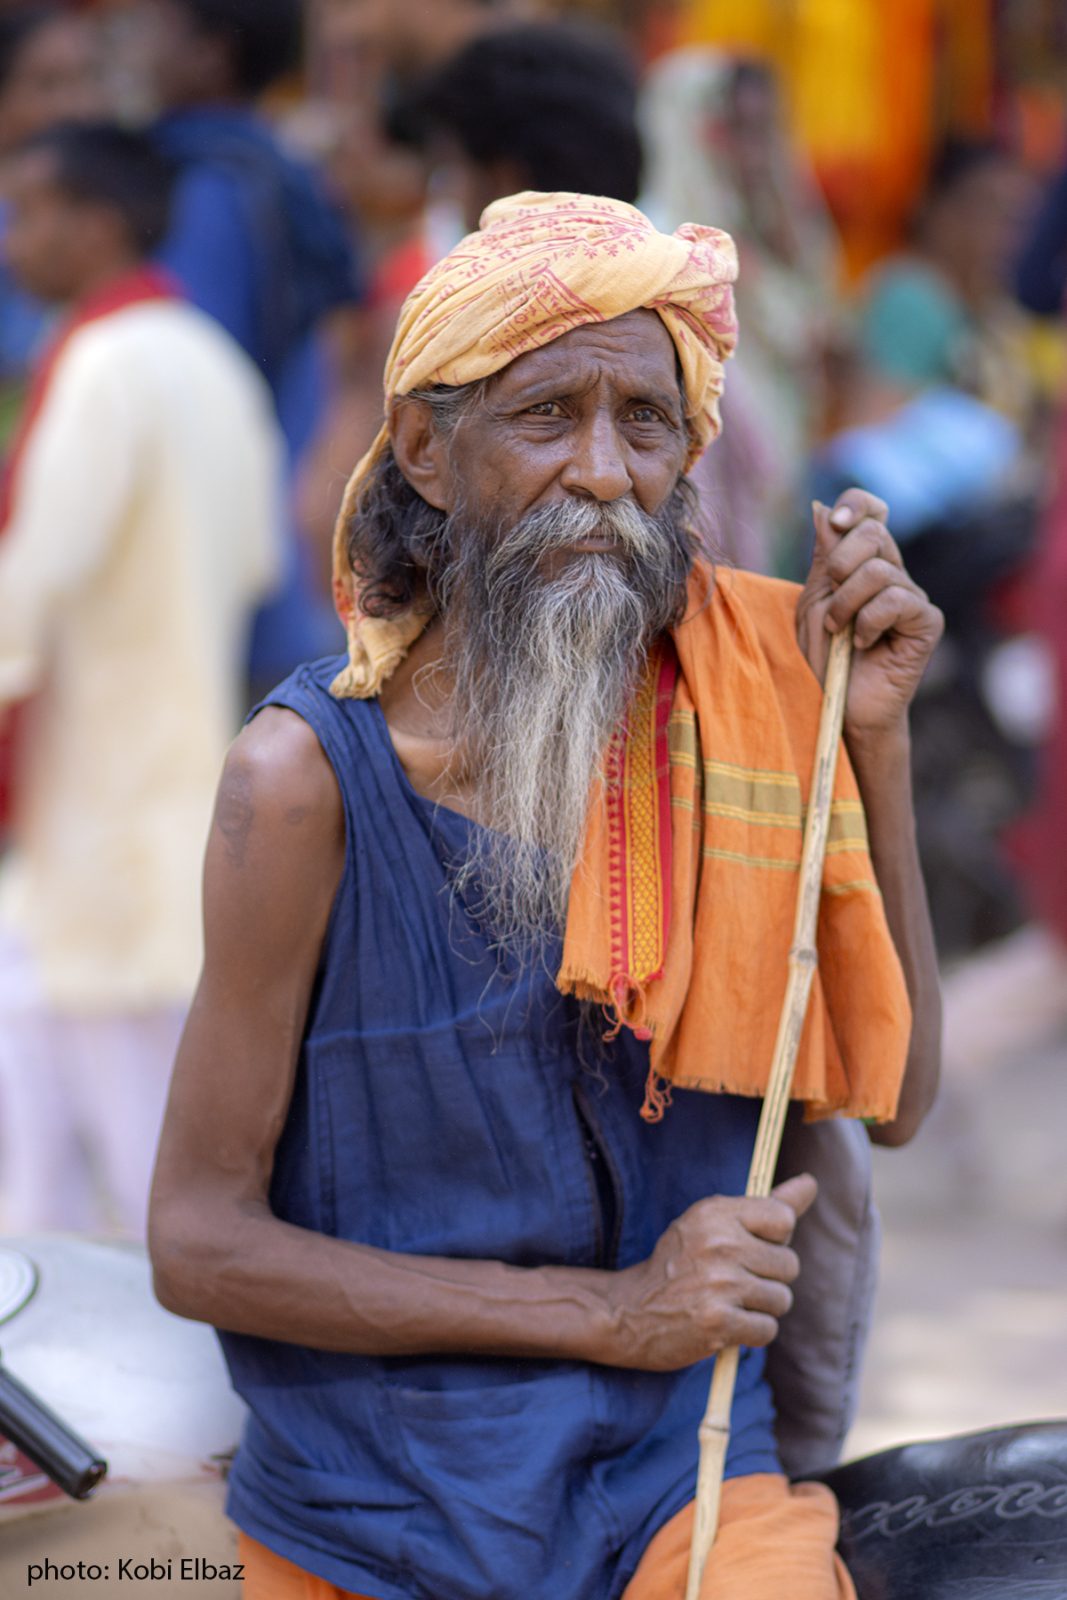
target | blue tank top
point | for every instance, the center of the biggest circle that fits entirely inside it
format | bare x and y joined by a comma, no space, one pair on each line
445,1106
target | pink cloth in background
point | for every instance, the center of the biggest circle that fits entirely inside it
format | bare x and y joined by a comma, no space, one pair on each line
733,479
81,1106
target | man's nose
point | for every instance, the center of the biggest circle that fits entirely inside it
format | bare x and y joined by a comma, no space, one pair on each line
598,466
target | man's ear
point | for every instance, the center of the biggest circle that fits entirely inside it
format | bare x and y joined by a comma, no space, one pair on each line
421,452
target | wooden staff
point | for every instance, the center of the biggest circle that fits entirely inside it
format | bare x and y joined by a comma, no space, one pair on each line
803,959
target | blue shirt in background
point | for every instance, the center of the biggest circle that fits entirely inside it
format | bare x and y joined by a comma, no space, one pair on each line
257,244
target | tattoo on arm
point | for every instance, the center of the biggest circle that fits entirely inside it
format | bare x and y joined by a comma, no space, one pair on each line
236,814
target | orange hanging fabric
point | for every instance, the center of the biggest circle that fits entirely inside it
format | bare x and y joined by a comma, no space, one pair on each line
681,910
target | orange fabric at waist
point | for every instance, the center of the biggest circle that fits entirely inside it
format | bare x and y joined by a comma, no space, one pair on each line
774,1539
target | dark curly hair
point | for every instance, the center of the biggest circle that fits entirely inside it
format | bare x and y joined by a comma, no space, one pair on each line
392,530
557,100
264,37
104,164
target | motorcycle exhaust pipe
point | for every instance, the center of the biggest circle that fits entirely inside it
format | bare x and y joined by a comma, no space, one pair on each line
53,1447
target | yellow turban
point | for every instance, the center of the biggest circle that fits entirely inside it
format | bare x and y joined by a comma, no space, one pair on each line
540,265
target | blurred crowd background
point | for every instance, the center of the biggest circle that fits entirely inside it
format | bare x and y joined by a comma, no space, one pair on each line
210,214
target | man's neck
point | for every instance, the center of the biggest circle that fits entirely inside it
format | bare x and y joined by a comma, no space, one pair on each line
104,275
231,102
416,702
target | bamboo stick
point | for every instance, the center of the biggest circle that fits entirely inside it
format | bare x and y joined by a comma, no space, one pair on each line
803,958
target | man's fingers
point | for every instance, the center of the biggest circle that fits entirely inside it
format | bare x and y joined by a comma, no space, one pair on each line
768,1297
867,541
855,504
897,610
873,579
752,1330
775,1262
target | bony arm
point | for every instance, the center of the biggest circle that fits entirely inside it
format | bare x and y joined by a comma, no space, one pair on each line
219,1253
858,577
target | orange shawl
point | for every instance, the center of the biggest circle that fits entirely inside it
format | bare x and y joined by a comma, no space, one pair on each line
681,912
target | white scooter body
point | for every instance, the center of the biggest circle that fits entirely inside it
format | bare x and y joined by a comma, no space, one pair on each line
80,1327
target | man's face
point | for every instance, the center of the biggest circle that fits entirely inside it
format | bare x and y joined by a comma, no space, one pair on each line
404,36
596,415
43,239
387,35
562,557
56,77
175,59
989,213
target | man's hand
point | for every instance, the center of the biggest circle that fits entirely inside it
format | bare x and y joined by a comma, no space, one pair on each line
719,1276
857,575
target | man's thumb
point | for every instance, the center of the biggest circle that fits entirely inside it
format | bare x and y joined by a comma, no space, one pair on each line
798,1192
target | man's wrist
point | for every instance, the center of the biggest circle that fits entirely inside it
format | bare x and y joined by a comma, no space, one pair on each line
596,1331
878,750
559,1313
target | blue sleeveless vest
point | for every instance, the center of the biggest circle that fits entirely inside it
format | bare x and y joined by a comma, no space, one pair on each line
442,1108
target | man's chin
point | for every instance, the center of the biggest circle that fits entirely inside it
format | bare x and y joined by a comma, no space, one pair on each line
582,559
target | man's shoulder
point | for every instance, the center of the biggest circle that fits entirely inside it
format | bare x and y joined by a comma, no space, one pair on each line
769,603
137,344
278,765
343,728
174,319
276,847
749,616
757,590
123,334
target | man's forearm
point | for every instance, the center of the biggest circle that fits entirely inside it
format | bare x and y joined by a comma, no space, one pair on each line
883,770
246,1271
718,1276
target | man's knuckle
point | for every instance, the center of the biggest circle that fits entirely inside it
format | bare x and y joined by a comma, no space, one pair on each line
762,1329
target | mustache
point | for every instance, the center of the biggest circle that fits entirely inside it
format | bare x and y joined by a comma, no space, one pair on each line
658,548
555,527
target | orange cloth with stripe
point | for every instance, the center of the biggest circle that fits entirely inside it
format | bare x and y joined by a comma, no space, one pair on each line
774,1540
681,911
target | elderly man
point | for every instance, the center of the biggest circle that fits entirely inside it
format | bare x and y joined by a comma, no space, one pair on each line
482,896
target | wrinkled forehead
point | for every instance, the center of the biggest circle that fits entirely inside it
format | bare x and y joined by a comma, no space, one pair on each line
635,350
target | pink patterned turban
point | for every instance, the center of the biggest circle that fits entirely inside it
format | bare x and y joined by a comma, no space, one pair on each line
540,265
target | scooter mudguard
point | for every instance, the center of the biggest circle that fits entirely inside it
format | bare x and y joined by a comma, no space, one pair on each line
982,1516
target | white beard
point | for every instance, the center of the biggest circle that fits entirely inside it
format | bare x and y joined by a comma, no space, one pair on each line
545,669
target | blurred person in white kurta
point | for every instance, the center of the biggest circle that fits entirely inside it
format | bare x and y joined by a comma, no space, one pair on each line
140,528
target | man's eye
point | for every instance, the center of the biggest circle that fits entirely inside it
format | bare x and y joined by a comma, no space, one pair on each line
544,408
644,414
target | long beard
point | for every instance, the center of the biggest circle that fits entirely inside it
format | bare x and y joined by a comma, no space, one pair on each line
544,670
